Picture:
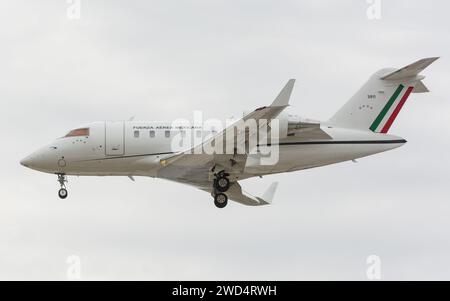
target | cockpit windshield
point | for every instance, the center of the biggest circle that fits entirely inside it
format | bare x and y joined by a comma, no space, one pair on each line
78,133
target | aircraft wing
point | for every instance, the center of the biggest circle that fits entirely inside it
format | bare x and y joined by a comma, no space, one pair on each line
196,156
194,167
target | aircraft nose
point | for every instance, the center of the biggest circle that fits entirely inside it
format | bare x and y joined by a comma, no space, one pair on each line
26,161
44,159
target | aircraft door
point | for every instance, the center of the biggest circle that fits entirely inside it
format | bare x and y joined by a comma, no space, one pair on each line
114,138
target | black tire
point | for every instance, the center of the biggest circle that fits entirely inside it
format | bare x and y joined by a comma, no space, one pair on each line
220,200
62,193
222,184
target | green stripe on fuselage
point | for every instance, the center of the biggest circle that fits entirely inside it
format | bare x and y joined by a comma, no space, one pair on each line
386,108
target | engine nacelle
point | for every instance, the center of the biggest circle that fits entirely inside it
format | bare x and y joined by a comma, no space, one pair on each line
283,121
289,123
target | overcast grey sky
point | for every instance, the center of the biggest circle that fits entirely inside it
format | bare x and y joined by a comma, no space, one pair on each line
161,60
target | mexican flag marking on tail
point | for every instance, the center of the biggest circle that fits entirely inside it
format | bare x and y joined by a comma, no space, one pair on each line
387,116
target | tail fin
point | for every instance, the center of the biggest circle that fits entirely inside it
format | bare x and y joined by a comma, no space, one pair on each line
376,105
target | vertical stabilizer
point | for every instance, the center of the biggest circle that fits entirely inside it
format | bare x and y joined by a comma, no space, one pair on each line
376,105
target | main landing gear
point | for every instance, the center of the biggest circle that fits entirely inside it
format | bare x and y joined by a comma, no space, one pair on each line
221,184
220,200
62,179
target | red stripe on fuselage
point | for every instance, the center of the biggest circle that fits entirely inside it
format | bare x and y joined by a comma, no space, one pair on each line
397,110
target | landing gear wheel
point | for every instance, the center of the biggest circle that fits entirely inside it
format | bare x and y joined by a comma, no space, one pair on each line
62,193
220,200
62,180
222,184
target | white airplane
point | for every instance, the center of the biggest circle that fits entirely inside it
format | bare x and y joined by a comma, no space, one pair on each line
132,148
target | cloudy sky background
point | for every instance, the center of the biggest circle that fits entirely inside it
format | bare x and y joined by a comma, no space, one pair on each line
160,60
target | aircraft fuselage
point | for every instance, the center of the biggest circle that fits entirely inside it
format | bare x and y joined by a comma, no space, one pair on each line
132,148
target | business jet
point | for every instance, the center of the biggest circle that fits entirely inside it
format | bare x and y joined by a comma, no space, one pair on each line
290,143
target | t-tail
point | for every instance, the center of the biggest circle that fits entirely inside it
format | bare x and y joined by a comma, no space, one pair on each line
377,104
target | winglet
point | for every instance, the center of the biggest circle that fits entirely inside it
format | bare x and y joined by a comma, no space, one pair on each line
267,197
282,99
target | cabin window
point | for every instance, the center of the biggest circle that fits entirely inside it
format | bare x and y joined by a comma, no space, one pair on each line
78,133
152,134
136,134
167,134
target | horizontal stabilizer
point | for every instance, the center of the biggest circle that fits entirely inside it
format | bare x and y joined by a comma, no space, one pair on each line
420,88
411,70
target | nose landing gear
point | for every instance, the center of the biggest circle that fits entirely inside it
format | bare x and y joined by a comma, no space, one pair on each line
62,179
